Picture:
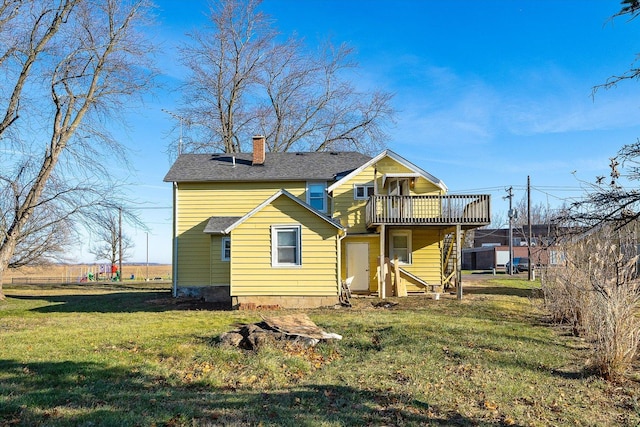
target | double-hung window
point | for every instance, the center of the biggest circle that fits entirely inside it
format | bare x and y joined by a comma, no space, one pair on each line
317,195
286,245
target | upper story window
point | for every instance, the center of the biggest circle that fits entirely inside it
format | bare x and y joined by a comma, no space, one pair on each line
226,249
398,187
317,195
362,191
286,245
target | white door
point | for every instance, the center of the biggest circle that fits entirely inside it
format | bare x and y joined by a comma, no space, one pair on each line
358,265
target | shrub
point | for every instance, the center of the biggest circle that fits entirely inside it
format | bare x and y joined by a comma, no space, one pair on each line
597,292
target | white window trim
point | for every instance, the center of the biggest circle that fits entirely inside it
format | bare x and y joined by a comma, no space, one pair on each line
409,248
355,191
324,194
222,249
274,245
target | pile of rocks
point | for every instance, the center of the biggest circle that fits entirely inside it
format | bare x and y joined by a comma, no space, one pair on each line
296,327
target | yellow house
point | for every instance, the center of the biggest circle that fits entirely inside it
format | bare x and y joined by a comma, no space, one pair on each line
287,229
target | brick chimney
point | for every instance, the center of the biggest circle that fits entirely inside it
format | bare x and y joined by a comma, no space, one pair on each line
258,150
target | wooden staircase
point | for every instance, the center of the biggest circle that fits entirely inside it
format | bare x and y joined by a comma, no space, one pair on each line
449,259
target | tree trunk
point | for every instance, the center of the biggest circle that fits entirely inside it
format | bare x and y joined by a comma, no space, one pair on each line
6,251
101,63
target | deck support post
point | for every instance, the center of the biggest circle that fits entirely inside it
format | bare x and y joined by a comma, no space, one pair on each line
381,276
459,262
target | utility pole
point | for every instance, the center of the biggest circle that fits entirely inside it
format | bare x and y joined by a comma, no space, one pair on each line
512,215
531,265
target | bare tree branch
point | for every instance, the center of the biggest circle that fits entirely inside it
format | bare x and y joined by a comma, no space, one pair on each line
91,63
106,246
630,8
245,80
44,28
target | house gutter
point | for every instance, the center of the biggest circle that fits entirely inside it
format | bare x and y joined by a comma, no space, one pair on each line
339,242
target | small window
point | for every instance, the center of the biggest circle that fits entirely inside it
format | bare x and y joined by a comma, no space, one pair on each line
400,246
556,257
317,195
285,246
226,249
362,191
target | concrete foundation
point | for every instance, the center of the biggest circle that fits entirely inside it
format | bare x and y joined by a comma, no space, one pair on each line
222,294
206,293
274,302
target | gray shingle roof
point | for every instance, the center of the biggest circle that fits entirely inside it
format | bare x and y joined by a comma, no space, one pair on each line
322,166
217,224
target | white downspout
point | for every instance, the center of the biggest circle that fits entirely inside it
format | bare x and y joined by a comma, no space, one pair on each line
340,239
175,242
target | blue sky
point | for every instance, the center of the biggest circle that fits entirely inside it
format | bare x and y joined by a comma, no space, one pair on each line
487,92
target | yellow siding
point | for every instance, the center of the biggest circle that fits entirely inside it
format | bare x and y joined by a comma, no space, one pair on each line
251,270
196,202
199,201
424,188
425,259
352,212
219,269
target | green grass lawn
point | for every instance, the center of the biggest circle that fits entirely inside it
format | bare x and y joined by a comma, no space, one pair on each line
108,355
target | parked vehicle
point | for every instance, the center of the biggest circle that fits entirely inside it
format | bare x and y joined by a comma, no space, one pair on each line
519,265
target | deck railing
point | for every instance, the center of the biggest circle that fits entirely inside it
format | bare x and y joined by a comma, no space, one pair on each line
437,210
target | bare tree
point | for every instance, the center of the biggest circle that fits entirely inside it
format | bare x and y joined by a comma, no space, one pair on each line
540,214
107,240
245,80
610,200
613,200
310,107
44,239
630,9
68,66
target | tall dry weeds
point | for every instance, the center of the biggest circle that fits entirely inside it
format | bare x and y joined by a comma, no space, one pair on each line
597,292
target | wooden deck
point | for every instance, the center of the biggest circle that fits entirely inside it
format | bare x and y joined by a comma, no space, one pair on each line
470,211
